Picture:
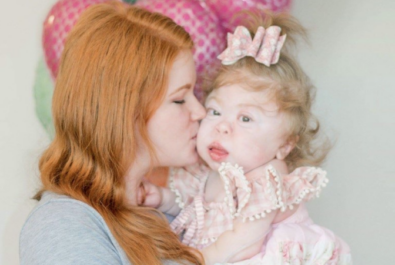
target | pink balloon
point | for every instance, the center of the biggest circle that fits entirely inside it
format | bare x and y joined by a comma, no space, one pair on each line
203,26
226,9
60,19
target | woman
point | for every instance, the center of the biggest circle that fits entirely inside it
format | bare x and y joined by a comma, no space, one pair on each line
123,104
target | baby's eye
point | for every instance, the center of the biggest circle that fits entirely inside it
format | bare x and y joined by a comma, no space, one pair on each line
213,112
245,119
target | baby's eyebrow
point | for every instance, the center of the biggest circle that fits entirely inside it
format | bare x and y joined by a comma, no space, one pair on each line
217,99
260,108
242,105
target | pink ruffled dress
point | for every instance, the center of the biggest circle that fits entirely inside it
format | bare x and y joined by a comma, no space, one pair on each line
293,241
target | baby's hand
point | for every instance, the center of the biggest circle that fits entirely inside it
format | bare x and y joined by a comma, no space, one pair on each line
149,194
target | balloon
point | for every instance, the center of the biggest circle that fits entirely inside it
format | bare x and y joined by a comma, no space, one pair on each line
203,26
226,9
43,91
60,19
58,23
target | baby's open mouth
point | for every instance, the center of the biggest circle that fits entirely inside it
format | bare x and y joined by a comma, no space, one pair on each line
217,152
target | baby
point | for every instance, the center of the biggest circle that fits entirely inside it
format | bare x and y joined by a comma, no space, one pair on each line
242,205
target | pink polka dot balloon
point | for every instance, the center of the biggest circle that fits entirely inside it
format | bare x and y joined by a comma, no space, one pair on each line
226,9
203,26
58,23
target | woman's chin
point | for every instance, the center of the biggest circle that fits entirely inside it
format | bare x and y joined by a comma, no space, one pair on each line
194,159
188,160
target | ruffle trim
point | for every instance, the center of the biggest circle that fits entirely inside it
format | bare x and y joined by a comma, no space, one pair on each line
245,185
275,196
314,191
173,188
276,190
202,243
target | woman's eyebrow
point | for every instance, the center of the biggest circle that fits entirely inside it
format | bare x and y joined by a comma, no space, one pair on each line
186,86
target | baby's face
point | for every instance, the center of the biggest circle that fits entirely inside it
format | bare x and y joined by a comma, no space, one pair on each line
241,127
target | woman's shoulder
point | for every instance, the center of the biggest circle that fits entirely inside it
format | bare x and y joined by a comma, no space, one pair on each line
62,230
58,202
60,210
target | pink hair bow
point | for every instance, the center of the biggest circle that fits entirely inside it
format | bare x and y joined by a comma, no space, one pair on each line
265,47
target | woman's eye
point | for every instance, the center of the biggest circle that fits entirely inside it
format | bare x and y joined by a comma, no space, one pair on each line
245,119
179,101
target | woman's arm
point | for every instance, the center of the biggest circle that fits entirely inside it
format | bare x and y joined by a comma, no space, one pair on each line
231,244
66,231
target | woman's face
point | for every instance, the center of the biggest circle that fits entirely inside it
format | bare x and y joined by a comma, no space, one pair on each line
174,126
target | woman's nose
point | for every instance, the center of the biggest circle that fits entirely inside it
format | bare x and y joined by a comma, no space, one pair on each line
198,111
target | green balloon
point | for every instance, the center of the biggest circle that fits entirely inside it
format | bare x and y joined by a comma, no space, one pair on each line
43,91
130,1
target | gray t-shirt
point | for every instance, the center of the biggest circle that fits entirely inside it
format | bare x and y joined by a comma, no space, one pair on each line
63,231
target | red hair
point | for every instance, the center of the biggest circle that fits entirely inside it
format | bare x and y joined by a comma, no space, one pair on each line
112,77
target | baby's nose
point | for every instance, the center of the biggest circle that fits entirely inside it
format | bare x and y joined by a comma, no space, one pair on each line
224,127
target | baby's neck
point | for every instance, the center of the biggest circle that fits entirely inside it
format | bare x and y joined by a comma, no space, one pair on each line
214,188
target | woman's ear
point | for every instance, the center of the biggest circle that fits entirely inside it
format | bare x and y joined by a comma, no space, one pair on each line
288,146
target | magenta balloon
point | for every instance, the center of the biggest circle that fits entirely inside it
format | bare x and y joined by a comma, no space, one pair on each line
60,19
203,26
226,9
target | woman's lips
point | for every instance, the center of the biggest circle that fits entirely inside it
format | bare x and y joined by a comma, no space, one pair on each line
217,152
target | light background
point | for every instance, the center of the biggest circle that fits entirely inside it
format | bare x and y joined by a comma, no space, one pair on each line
351,61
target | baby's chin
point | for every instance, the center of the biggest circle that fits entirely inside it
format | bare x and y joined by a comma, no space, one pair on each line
214,165
211,164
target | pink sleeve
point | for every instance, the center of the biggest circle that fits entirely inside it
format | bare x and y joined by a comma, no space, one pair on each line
185,182
274,191
304,184
270,191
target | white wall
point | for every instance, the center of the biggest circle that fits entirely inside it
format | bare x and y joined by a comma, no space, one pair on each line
350,60
22,138
352,63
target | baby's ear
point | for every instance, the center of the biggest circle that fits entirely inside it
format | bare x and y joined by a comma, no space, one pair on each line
288,146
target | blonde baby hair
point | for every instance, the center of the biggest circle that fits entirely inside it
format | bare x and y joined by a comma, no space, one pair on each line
287,83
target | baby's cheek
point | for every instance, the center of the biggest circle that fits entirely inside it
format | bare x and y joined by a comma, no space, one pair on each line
204,129
256,152
200,143
250,142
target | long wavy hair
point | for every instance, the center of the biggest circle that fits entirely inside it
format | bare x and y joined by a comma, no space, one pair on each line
113,75
288,84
